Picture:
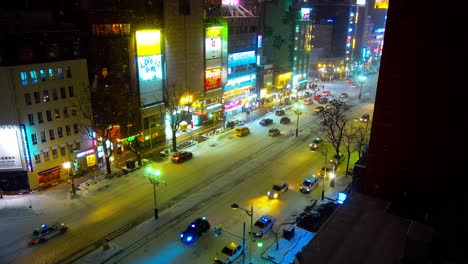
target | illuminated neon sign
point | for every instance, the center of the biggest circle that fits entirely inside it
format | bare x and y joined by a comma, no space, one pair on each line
85,153
148,42
242,55
213,78
26,147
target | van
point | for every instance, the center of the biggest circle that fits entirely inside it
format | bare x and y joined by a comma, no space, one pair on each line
242,131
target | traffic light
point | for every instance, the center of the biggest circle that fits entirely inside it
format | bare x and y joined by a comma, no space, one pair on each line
218,230
259,243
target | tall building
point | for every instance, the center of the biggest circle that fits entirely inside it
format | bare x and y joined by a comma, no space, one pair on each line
42,121
287,43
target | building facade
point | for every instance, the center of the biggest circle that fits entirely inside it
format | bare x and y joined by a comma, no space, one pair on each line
44,113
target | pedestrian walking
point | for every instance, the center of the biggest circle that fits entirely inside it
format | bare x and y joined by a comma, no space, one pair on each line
1,194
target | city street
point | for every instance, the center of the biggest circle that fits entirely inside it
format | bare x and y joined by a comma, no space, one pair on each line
225,169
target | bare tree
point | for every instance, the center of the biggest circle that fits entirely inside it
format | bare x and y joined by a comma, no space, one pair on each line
333,121
101,122
349,139
175,113
361,139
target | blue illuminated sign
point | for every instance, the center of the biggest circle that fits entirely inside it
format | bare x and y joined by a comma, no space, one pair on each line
26,147
342,197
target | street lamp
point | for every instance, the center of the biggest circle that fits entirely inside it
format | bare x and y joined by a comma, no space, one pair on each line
362,79
249,213
67,165
324,173
153,177
298,110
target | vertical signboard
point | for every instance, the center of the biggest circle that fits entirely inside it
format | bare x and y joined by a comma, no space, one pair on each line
150,70
213,57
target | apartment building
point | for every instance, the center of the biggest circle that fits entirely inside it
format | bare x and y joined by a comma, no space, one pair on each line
44,111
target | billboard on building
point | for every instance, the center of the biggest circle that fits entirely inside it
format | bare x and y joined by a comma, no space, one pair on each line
381,4
150,70
213,57
10,148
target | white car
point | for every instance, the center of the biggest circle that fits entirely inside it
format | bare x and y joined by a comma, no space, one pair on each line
229,253
262,225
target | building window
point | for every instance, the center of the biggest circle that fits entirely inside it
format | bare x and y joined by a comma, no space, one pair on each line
49,115
69,72
31,119
63,93
78,146
51,74
65,112
43,75
71,92
43,137
68,130
40,119
70,148
33,75
37,157
75,128
24,78
60,73
46,96
62,151
54,153
34,138
60,132
57,113
51,134
37,98
55,94
27,99
46,156
73,110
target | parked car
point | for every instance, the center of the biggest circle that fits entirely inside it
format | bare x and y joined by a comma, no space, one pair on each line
336,158
276,190
273,132
364,118
330,168
319,109
285,120
194,230
262,225
279,112
45,232
181,156
229,254
308,101
309,184
266,121
315,143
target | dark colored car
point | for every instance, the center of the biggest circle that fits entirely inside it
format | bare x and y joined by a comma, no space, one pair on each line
364,118
285,120
181,156
336,158
275,192
273,132
315,143
45,232
266,121
194,230
279,112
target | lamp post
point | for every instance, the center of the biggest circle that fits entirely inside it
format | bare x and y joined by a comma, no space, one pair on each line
332,178
153,177
298,110
324,173
250,214
362,79
67,165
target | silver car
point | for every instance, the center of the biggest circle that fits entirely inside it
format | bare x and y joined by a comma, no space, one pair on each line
262,225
